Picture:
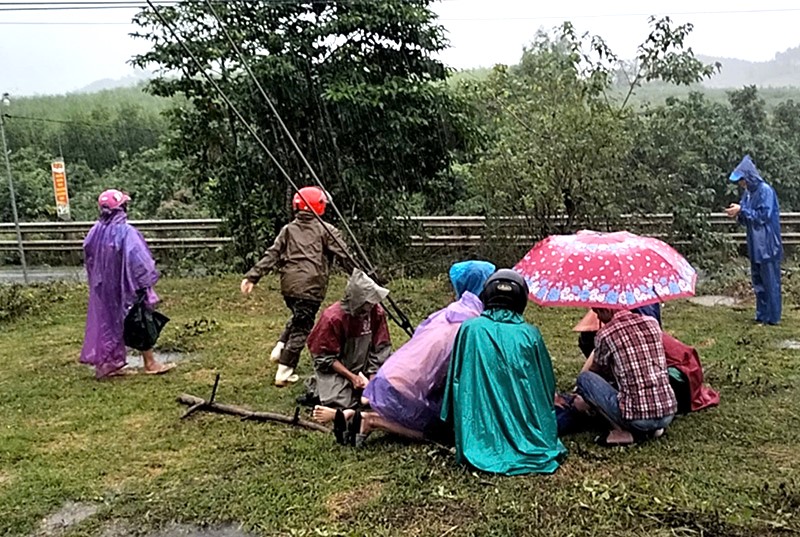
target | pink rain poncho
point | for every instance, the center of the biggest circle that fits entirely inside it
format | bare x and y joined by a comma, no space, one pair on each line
118,264
408,388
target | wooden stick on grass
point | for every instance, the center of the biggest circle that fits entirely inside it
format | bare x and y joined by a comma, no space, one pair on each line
233,410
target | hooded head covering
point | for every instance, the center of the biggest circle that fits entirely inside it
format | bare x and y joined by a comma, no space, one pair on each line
361,290
747,170
470,276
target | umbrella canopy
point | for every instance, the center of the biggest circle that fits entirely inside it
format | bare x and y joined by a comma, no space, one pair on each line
605,270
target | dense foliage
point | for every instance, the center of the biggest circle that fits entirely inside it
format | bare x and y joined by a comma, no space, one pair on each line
570,137
110,139
356,84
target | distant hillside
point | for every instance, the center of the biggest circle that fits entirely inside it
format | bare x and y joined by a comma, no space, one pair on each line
135,79
782,71
70,106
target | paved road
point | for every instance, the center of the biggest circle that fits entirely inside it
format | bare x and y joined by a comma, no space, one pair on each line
42,274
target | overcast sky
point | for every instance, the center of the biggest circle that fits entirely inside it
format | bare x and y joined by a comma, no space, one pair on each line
61,51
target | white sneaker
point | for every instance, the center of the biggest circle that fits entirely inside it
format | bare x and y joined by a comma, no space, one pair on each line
285,376
275,355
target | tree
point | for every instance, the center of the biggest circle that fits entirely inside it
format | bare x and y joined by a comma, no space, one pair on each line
561,145
685,150
355,82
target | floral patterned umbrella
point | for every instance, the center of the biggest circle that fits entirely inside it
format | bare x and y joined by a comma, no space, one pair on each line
605,270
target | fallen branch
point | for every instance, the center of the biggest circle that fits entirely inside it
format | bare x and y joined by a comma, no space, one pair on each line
233,410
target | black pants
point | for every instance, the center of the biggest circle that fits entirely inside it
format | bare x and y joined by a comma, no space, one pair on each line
294,335
586,342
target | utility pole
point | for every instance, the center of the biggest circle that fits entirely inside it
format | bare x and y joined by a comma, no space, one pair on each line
6,103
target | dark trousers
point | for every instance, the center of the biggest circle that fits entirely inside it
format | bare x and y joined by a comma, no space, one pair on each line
767,287
294,335
586,342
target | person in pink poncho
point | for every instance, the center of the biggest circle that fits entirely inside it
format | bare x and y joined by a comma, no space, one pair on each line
405,395
119,266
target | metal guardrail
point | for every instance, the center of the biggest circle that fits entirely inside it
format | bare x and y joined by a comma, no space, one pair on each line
467,231
72,234
436,232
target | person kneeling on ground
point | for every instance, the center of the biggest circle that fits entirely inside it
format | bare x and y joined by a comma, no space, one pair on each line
626,378
349,343
406,394
500,387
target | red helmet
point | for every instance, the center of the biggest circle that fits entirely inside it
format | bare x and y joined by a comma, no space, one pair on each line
310,198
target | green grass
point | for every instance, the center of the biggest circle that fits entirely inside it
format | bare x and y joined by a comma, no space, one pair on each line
734,470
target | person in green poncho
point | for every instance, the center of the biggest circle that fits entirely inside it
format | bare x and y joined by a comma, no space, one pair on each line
500,390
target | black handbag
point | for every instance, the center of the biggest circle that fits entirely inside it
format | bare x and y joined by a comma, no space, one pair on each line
143,325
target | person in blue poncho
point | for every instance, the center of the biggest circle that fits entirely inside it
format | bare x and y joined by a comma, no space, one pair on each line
500,390
759,212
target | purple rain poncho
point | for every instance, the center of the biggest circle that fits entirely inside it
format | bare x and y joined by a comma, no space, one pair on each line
118,263
408,388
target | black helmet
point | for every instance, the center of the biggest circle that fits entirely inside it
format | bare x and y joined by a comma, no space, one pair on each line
505,289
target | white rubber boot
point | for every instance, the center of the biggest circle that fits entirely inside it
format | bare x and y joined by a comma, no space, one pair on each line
285,376
275,355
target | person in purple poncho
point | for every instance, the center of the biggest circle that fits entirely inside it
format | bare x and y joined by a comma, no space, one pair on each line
406,393
119,266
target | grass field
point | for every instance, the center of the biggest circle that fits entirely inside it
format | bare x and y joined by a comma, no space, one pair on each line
120,445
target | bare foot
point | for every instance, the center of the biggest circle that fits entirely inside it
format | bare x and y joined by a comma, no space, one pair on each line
581,405
159,369
368,422
619,438
323,414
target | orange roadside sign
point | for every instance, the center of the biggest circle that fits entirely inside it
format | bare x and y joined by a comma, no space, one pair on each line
60,187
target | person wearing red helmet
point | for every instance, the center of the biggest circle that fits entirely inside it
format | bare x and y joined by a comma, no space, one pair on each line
302,254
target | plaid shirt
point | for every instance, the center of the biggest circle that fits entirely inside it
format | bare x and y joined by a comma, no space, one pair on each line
629,348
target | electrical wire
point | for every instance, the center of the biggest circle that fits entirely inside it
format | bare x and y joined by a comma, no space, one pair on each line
404,323
134,4
257,138
83,123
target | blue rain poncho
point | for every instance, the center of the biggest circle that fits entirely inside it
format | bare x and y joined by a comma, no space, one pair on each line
760,214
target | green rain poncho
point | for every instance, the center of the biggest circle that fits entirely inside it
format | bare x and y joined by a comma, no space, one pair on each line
499,397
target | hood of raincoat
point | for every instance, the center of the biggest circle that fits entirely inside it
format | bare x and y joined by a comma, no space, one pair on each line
470,276
466,307
361,290
747,170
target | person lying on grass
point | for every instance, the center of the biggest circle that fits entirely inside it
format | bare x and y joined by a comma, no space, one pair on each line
499,395
349,343
406,394
626,380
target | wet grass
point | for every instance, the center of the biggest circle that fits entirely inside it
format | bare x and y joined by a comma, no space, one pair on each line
734,470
